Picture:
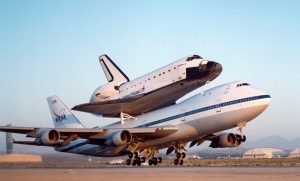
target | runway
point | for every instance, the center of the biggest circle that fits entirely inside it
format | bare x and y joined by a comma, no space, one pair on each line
153,173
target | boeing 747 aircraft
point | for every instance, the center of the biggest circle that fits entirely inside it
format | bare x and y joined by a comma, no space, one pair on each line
200,118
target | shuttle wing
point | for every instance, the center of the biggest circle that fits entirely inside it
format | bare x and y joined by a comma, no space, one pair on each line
139,104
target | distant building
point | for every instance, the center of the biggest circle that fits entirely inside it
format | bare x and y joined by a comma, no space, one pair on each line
295,153
264,153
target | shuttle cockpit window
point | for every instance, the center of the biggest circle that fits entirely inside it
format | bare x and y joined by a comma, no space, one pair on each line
193,57
243,84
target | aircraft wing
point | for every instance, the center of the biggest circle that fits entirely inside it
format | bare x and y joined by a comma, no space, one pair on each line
86,133
64,132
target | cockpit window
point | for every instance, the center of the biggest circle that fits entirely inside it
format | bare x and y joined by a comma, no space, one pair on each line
243,84
193,57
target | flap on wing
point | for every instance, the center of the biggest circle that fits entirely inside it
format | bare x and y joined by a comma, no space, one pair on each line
209,137
36,144
152,132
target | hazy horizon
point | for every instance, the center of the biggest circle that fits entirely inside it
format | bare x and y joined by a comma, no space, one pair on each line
52,48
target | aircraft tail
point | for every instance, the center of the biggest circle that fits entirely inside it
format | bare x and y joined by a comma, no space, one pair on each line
111,70
61,115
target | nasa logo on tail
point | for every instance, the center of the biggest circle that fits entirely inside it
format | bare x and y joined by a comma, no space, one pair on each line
61,116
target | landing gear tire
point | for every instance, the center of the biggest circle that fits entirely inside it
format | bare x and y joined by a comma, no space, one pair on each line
134,162
139,163
154,161
181,162
130,155
128,162
243,138
159,159
178,155
176,161
150,161
183,155
143,159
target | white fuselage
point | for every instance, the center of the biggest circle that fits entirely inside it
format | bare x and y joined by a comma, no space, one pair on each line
214,110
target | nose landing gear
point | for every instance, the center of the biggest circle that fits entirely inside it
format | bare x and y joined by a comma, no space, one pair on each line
241,137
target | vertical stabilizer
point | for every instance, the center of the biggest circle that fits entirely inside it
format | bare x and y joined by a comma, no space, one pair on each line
9,142
111,70
61,115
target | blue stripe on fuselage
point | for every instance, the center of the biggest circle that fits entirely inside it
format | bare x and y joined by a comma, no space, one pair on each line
237,101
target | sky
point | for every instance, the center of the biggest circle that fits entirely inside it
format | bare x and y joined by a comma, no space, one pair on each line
52,48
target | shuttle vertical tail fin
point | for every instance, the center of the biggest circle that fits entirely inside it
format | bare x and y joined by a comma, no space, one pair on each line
61,115
111,70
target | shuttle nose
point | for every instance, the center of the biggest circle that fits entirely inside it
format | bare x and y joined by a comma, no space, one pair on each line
214,68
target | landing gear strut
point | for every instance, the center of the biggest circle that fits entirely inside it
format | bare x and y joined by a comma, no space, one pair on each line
241,137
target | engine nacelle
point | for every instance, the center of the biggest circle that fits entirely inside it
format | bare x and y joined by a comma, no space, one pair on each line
226,140
48,137
119,138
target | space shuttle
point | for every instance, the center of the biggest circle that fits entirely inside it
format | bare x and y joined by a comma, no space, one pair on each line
155,90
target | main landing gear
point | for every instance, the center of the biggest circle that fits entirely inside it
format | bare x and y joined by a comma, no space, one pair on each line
134,159
154,160
179,158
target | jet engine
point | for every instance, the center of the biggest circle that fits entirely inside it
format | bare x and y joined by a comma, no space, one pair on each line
227,140
48,137
119,138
